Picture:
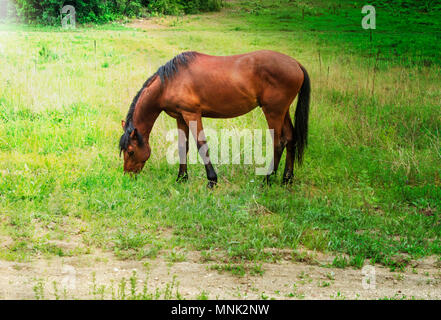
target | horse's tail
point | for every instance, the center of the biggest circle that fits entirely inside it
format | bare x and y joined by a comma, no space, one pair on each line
301,118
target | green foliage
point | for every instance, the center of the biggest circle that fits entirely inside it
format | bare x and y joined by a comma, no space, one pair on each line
405,33
399,6
95,11
166,7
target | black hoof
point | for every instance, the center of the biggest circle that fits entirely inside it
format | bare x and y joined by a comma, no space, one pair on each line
183,178
211,184
287,180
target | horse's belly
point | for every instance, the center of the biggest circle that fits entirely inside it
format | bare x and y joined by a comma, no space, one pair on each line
227,110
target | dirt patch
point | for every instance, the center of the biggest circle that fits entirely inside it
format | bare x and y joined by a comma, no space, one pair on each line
214,19
5,241
147,24
283,280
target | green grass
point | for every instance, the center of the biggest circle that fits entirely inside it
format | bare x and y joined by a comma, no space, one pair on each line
403,36
134,288
369,187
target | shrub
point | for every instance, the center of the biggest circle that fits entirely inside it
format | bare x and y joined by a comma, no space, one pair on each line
405,6
99,11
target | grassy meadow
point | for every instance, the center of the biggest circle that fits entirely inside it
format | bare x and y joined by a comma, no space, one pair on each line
369,189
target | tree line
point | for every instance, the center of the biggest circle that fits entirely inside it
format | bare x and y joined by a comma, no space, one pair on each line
99,11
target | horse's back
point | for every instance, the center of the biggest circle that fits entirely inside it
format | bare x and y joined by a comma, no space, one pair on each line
229,86
255,71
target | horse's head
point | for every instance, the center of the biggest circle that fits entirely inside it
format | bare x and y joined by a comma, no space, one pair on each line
136,150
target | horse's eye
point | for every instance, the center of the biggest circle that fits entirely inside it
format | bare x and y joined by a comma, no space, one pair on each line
131,153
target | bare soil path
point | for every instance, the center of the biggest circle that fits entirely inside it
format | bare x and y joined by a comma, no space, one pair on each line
284,280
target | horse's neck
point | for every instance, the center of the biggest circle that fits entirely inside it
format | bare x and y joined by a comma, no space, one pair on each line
146,112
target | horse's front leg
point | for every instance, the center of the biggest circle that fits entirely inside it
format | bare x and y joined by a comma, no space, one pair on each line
194,122
182,149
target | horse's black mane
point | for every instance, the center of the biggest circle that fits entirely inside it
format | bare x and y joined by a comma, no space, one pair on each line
165,72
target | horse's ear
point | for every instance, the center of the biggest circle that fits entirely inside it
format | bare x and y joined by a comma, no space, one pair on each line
123,123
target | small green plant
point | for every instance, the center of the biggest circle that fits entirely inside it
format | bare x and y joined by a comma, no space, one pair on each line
45,54
399,277
397,296
38,289
235,269
295,293
176,256
304,277
338,296
340,262
122,289
56,293
168,292
263,296
257,269
330,275
202,296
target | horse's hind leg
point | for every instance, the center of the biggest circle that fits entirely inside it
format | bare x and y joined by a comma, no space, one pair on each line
182,149
194,122
275,118
288,140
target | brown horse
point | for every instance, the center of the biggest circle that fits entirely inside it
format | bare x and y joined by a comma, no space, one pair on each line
194,85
